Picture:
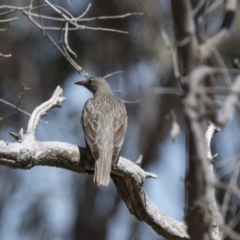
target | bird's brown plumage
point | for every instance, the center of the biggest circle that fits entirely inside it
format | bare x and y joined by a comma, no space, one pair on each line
104,120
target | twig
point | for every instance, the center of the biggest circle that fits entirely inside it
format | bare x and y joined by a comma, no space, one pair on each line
80,19
221,71
163,90
215,5
8,20
67,18
111,74
230,102
40,17
226,166
19,109
85,12
74,64
66,40
172,52
72,20
5,55
210,44
7,12
111,17
132,102
24,88
198,7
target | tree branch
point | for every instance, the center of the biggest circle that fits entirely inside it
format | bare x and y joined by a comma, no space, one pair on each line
55,101
185,35
207,48
202,215
128,177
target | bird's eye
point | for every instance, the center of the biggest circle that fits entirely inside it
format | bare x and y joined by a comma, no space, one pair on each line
89,81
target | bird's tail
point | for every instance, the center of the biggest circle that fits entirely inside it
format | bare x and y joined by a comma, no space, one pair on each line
103,168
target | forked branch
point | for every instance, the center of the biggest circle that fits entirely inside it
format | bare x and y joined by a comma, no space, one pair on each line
127,176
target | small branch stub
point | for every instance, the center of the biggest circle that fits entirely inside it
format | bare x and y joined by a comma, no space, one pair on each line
139,161
17,136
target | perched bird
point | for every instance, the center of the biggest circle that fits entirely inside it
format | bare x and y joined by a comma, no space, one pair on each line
104,121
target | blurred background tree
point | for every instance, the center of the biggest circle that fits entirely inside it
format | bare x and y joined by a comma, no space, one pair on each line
52,203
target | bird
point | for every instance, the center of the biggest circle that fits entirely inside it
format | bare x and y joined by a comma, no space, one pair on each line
104,122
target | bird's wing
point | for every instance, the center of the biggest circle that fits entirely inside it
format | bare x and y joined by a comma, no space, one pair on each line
90,122
120,127
98,136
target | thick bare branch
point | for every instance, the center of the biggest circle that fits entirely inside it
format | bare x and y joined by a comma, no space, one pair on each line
55,101
128,178
202,213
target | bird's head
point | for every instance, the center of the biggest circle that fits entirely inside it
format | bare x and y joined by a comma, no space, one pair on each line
95,85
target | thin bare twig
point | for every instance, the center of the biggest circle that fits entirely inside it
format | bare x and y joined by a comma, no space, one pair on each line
85,12
111,74
19,109
66,41
68,18
198,7
24,88
79,19
172,52
165,90
111,17
215,5
85,28
5,55
230,102
8,20
74,64
7,12
132,102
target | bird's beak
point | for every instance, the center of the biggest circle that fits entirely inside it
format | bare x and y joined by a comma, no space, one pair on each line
82,83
